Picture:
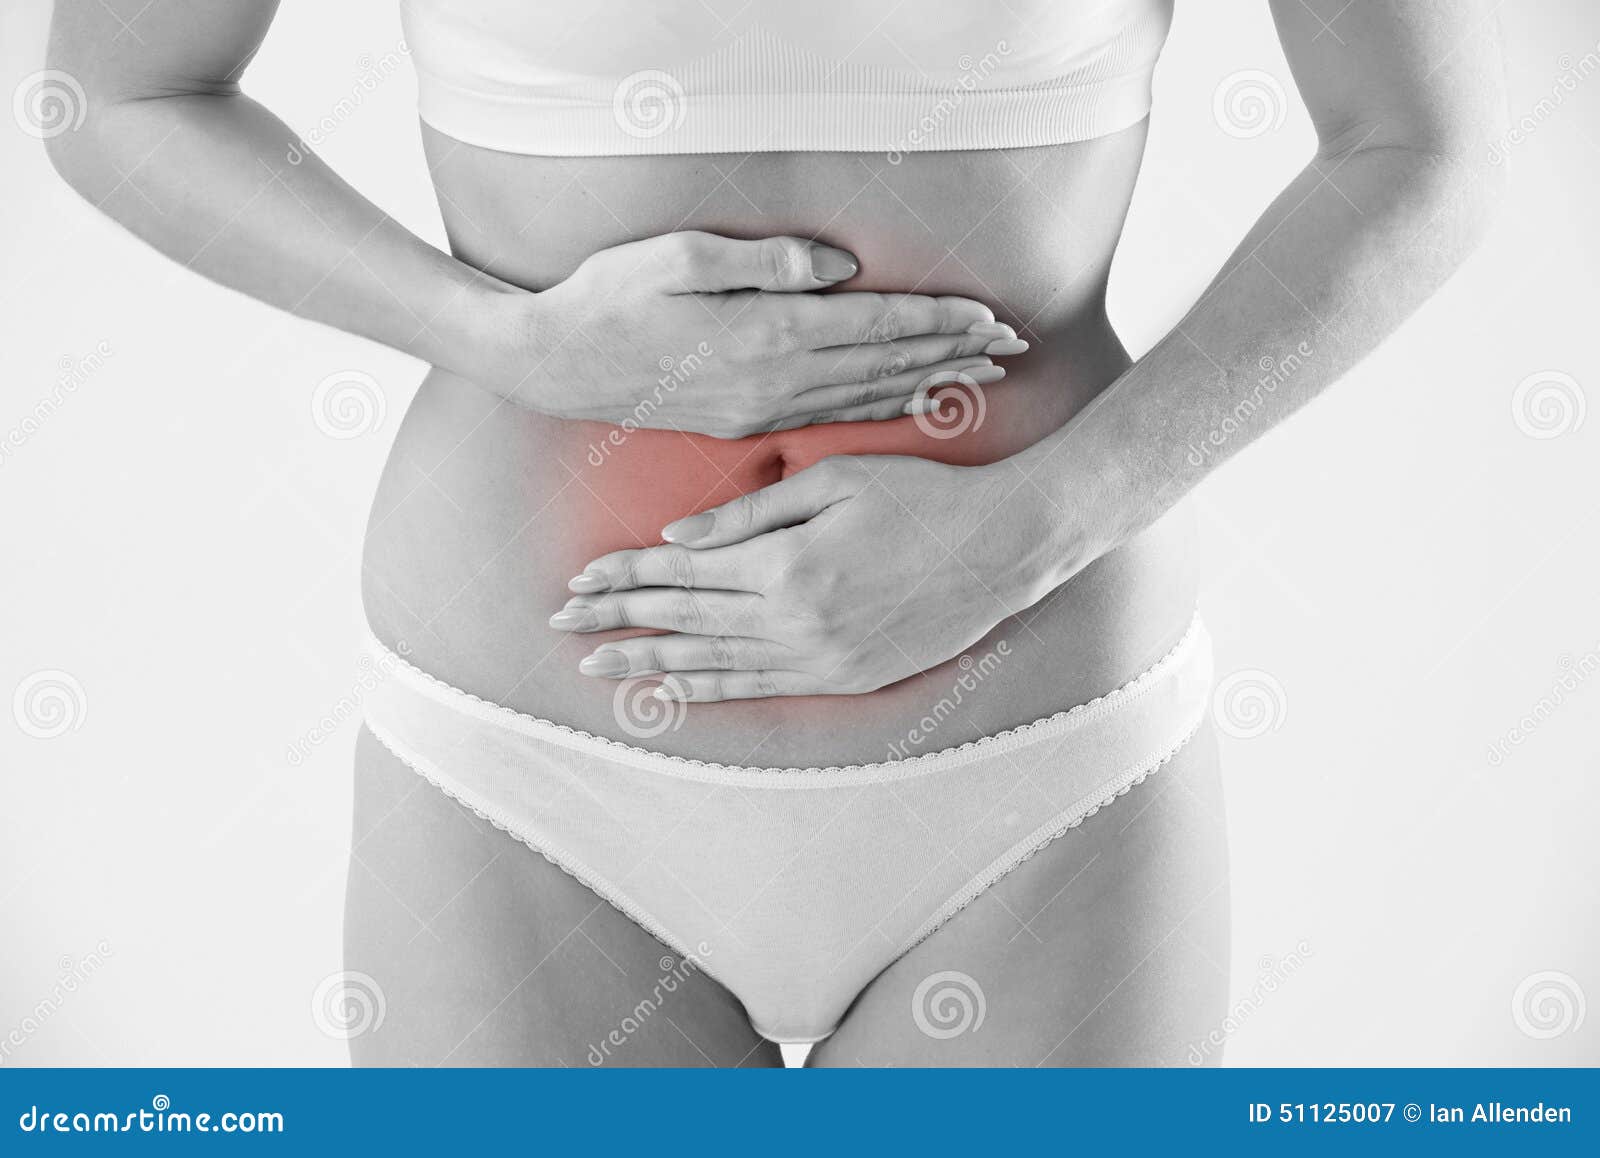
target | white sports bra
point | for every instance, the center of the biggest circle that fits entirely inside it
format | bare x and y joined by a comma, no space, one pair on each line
606,77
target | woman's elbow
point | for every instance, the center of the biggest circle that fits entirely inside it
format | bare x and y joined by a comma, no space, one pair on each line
100,153
70,116
1473,192
71,155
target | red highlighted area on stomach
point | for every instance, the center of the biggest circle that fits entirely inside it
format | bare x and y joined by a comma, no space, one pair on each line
631,483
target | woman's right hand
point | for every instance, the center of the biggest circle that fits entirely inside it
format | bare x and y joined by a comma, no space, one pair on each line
692,331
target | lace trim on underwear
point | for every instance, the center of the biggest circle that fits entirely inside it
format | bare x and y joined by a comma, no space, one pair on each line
974,747
1040,839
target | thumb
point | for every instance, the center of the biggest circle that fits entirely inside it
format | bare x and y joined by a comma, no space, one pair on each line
785,503
708,263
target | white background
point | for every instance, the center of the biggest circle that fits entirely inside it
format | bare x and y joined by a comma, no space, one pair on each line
1411,567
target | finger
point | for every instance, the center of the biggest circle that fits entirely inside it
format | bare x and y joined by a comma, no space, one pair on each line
697,262
848,319
692,612
732,568
702,687
783,504
889,396
885,411
886,360
654,654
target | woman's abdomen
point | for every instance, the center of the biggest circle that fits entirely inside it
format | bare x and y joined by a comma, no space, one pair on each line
636,480
486,510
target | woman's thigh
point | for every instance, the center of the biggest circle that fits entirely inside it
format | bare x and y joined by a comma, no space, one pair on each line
1109,947
478,951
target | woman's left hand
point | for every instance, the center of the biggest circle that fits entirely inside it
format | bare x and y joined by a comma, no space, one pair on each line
850,575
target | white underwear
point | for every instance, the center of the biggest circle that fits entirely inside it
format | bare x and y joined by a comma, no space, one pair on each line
793,887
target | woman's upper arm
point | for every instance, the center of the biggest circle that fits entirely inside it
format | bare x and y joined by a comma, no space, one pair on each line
135,49
1420,74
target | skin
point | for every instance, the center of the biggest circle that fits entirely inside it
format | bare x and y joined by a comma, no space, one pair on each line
1109,947
1073,500
1406,100
173,150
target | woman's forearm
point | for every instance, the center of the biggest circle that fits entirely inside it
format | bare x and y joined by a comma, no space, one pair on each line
216,182
207,179
1351,248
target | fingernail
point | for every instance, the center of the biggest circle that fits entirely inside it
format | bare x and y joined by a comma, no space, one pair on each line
672,689
1006,346
832,264
604,663
985,375
688,530
991,330
921,406
579,619
586,584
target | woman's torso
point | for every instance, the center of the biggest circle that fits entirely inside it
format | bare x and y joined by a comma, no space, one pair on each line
485,510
